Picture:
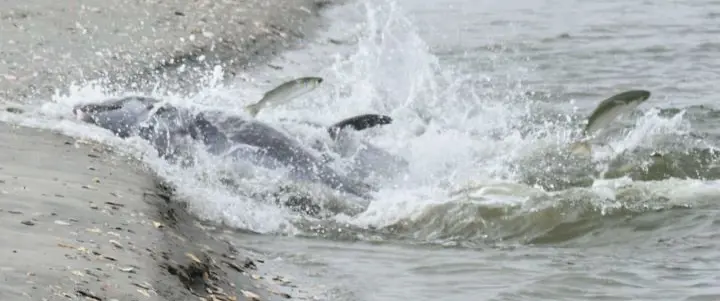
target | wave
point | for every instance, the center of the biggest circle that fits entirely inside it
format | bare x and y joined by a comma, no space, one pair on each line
454,126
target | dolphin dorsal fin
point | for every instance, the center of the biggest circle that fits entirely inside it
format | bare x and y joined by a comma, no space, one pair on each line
359,123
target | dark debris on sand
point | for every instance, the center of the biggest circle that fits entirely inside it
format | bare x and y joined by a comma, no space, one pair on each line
209,267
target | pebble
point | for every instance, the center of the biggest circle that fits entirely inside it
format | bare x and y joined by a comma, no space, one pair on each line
249,264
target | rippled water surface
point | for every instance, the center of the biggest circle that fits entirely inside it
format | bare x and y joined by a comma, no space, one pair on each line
485,98
525,73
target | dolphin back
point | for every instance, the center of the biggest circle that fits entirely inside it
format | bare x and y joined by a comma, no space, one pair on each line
285,150
359,123
120,116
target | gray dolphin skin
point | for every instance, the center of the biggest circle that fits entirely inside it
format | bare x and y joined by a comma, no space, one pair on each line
272,148
120,116
164,127
366,158
167,128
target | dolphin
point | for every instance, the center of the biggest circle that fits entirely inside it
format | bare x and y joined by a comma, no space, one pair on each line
168,129
120,116
365,158
272,148
164,127
358,123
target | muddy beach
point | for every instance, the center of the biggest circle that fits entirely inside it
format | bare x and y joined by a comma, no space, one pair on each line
79,220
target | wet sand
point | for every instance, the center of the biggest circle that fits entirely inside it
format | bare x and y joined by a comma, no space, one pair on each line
48,44
81,222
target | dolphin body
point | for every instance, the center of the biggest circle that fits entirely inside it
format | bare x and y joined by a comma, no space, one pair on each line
164,128
365,158
168,129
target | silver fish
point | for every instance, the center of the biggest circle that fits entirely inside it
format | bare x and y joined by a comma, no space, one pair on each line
284,93
606,112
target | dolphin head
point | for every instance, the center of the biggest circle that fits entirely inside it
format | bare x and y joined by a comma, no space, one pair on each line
120,116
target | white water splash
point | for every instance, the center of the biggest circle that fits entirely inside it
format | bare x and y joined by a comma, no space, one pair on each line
451,133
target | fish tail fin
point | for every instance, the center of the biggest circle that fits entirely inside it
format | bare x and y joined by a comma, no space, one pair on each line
581,148
253,109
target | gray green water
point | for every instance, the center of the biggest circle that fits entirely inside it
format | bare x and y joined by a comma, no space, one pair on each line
485,97
650,237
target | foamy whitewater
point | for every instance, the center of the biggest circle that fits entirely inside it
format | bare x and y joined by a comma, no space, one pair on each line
460,129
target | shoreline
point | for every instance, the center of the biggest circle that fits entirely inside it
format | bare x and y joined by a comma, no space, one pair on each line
83,223
132,46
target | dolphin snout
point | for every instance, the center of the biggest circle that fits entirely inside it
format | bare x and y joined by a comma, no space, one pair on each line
81,114
84,113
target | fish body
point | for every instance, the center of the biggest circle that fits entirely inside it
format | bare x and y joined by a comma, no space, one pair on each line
605,113
284,93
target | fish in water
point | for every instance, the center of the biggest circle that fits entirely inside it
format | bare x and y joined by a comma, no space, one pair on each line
284,93
167,128
606,112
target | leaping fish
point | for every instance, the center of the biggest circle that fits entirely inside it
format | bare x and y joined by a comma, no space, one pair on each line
606,112
284,93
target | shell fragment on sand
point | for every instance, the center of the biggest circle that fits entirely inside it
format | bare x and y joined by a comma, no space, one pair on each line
250,295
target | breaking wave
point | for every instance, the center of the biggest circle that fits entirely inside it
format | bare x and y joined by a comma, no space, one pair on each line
488,159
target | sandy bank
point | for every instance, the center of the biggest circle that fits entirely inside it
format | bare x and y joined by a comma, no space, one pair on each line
73,220
81,222
48,44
